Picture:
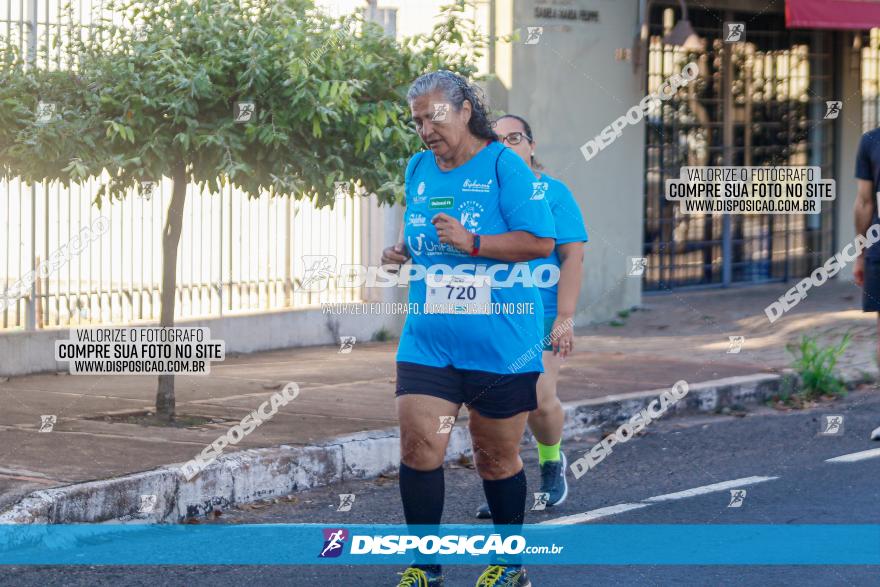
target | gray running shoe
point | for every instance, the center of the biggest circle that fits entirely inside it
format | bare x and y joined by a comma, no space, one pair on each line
553,480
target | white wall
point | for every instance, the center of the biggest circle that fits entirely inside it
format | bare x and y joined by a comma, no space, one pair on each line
22,353
569,87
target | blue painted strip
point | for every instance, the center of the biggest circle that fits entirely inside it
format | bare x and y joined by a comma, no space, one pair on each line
299,544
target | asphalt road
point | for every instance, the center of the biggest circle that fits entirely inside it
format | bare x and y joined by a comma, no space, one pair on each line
672,456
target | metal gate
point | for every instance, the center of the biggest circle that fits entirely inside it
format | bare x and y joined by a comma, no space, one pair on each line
236,254
756,103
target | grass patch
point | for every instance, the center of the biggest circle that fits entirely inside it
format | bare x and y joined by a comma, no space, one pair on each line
816,369
817,366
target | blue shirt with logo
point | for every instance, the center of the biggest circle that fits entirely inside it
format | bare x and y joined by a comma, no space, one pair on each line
569,229
492,193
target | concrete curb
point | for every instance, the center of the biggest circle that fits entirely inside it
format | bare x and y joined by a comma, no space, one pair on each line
255,474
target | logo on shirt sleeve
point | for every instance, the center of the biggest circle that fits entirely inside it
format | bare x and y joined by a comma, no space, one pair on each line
539,190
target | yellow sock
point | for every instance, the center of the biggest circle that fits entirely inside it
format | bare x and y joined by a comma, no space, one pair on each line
549,452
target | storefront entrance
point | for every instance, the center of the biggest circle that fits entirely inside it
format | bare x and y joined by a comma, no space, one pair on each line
761,102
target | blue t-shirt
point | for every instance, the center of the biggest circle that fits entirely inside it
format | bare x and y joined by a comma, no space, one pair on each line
490,194
868,168
569,229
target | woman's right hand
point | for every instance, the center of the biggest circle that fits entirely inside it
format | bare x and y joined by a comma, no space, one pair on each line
395,255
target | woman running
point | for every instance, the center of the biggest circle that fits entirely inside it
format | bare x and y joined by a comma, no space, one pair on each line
559,305
468,201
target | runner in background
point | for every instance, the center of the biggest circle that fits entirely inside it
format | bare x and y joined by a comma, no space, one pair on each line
469,201
559,301
867,268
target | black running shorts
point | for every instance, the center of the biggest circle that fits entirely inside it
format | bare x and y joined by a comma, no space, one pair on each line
493,395
871,288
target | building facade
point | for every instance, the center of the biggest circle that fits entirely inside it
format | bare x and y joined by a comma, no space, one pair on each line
578,65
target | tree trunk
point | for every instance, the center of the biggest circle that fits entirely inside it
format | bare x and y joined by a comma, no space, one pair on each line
170,239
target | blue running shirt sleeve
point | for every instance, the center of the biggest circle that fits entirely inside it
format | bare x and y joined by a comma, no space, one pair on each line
523,206
868,168
569,229
566,214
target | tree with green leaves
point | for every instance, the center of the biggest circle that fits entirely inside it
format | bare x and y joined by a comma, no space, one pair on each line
268,96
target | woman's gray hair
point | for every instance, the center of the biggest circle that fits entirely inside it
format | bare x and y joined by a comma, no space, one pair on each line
456,90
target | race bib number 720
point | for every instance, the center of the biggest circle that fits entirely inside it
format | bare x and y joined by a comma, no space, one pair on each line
458,294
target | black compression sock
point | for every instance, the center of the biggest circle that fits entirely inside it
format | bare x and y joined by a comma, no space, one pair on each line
422,494
507,498
507,502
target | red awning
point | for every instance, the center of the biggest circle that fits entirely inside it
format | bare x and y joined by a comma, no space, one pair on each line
832,14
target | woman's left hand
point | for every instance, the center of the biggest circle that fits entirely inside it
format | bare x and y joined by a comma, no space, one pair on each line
451,232
563,330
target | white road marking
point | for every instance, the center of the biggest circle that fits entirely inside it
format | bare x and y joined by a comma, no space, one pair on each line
856,456
596,514
626,507
723,486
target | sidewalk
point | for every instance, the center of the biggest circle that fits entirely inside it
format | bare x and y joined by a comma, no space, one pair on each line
675,336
